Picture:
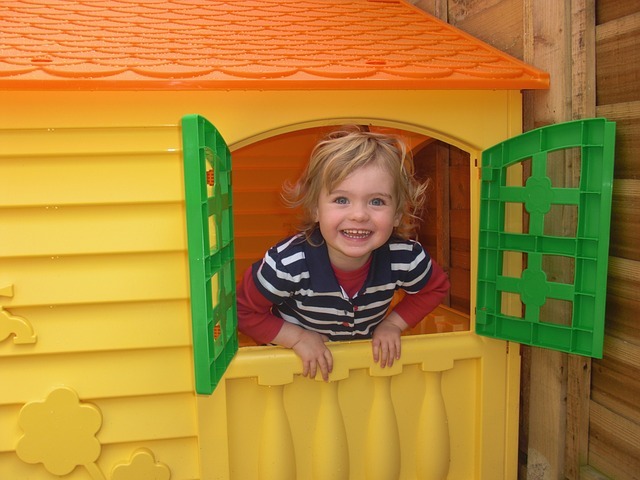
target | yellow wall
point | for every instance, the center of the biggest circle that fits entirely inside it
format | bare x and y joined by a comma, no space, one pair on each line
93,245
438,413
467,119
92,248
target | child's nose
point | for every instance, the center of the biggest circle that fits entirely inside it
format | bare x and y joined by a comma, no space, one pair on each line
359,212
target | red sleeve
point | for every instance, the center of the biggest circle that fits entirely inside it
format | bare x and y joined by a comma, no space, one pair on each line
413,308
254,312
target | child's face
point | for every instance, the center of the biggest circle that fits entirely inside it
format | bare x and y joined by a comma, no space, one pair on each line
358,216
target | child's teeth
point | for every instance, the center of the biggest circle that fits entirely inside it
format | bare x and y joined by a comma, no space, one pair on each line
356,233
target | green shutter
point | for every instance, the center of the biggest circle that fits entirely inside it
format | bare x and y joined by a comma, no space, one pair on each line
586,251
207,176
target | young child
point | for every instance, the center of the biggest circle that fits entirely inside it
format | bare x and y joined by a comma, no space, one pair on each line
335,279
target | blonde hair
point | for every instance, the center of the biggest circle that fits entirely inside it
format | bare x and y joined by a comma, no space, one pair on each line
342,152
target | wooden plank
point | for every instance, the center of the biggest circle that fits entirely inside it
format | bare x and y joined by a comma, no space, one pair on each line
426,171
437,8
461,259
528,122
624,278
459,190
615,443
577,433
619,26
546,414
460,226
462,9
474,16
621,318
583,105
441,183
624,352
547,44
609,10
587,472
525,407
618,60
620,111
428,6
441,9
625,218
459,289
459,157
583,54
627,117
460,230
616,385
627,148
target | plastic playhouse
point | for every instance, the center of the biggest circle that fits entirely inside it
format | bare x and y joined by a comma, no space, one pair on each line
140,166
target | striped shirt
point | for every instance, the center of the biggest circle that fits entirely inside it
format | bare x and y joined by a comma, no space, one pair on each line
298,279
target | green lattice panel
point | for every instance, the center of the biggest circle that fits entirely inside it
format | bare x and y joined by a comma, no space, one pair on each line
586,251
207,176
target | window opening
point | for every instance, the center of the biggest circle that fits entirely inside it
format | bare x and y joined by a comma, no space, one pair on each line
261,219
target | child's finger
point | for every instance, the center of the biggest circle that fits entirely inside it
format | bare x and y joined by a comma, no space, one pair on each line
391,356
312,369
324,369
376,351
329,358
384,355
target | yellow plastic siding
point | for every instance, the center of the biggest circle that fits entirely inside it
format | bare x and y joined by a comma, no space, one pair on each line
463,118
93,244
438,413
93,262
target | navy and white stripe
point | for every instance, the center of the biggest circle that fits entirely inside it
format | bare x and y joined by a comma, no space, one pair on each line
297,277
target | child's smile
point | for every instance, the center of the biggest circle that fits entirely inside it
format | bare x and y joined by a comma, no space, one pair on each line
357,216
356,233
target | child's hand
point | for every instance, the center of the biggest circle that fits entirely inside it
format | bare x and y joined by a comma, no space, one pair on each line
313,352
386,340
309,346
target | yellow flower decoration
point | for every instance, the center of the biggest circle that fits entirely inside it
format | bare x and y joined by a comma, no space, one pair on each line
59,432
142,466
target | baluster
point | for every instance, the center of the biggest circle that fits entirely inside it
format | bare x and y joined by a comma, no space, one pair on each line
277,459
432,448
330,446
383,438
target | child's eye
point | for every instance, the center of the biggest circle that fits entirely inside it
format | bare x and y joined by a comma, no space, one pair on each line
378,202
341,200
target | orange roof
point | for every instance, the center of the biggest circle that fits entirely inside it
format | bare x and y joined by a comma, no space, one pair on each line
248,44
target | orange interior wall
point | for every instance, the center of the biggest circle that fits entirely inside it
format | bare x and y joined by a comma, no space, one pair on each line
446,235
259,171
